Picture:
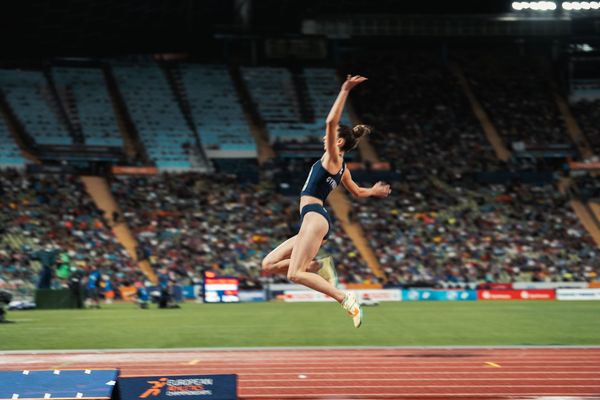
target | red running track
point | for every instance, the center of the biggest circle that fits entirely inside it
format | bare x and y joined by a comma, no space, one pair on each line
371,373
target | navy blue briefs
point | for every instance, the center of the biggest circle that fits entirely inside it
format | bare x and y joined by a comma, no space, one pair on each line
319,209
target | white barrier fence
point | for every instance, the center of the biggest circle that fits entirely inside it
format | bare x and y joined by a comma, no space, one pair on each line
578,294
363,294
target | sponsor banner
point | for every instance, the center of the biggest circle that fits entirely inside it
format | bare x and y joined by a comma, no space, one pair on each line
595,284
496,286
125,170
534,294
189,291
371,294
357,286
252,295
549,285
213,387
438,295
578,294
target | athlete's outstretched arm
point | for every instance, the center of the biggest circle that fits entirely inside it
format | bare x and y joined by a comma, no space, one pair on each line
379,189
335,115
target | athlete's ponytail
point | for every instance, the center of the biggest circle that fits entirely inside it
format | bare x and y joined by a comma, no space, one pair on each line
352,136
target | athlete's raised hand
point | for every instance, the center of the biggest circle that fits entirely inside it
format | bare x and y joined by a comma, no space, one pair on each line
381,189
352,81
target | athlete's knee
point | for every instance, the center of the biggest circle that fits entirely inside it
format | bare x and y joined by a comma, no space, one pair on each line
294,276
267,264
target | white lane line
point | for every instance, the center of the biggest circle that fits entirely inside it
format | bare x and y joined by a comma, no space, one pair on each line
382,373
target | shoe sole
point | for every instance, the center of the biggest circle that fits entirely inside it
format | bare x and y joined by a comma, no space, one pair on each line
359,319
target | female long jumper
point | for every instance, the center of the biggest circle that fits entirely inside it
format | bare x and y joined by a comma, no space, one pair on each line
296,255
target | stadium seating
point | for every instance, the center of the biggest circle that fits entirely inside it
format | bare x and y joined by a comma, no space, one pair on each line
272,89
93,103
155,113
216,109
10,155
30,98
323,87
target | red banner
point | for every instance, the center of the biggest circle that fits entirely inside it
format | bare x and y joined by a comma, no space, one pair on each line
125,170
588,166
536,294
495,286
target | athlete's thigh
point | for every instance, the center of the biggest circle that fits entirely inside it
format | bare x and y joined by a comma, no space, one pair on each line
308,241
283,251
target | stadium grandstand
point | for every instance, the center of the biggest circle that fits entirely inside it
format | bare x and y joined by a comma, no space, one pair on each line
160,159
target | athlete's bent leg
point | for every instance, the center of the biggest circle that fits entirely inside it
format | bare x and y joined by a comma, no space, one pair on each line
307,244
278,260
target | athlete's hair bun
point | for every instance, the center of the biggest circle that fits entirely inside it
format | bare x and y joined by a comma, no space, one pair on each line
361,130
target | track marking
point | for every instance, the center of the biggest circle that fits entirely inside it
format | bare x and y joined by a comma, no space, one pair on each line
420,379
193,362
491,364
380,373
423,386
559,396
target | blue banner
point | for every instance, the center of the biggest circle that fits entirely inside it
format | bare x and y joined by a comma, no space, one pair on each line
438,295
189,292
252,295
210,387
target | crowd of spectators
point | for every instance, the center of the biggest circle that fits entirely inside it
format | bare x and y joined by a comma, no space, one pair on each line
435,234
421,116
55,214
516,92
440,226
585,186
190,222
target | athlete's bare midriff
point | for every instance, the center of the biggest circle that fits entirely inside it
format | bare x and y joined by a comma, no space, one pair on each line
306,200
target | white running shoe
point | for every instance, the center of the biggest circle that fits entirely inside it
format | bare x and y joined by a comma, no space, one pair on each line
353,309
327,271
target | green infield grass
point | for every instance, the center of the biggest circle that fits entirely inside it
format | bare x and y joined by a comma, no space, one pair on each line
306,324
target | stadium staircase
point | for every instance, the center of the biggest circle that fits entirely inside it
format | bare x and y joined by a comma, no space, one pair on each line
594,207
173,74
64,107
131,141
572,126
99,191
340,206
307,113
255,122
488,127
587,217
23,140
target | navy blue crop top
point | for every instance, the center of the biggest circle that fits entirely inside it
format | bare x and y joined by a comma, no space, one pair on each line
320,182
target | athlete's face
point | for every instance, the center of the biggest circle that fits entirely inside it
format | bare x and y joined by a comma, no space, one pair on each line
339,141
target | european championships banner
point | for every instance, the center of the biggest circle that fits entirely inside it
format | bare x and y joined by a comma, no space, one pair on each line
187,387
